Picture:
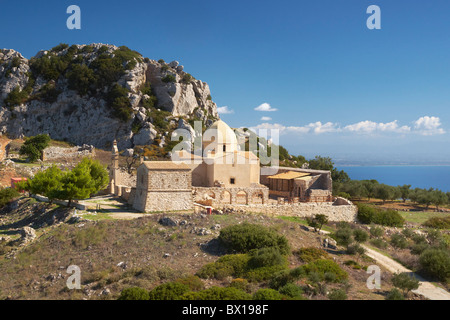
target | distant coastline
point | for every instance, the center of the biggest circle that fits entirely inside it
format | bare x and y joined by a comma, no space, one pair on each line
418,176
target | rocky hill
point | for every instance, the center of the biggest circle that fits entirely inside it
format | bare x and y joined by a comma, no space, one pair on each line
93,94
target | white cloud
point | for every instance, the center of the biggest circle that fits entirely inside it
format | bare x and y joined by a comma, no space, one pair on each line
266,119
265,107
224,110
428,126
425,126
371,126
316,128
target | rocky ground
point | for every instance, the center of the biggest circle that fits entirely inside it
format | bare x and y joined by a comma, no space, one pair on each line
40,241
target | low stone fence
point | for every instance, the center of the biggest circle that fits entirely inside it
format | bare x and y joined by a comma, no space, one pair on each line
335,212
61,202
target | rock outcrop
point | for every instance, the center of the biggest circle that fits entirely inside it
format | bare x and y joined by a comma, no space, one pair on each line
82,110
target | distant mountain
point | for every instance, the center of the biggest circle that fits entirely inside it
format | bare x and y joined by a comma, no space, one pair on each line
93,94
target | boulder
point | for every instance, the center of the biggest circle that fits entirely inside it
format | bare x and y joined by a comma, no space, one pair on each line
27,234
168,222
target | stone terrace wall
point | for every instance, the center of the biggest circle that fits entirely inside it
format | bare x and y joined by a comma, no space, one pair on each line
333,211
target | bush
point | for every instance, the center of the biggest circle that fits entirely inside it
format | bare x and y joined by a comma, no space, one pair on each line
169,79
376,231
360,235
311,254
368,214
405,282
291,290
436,262
395,294
134,294
355,249
337,294
16,97
34,146
390,218
325,266
264,273
438,222
230,265
169,291
418,248
399,241
119,102
81,78
379,243
267,294
344,237
7,195
217,293
246,237
265,257
194,283
240,284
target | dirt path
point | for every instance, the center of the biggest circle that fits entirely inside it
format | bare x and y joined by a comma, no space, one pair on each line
426,289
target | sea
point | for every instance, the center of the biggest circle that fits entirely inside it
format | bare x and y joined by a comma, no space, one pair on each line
437,177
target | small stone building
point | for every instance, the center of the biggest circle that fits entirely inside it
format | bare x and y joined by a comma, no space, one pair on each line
302,185
163,186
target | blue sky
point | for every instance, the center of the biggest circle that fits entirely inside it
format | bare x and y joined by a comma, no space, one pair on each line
339,89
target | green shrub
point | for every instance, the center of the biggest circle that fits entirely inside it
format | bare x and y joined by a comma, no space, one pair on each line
187,78
230,265
376,231
355,248
390,218
267,294
60,47
34,146
311,254
241,284
265,257
119,102
353,264
193,282
81,78
7,195
368,214
169,291
245,237
169,78
16,97
418,248
436,262
379,243
15,62
291,290
438,222
134,294
395,294
399,241
344,237
337,294
325,266
218,293
264,273
360,235
408,233
405,282
281,278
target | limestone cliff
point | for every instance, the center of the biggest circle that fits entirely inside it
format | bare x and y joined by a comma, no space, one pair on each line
93,94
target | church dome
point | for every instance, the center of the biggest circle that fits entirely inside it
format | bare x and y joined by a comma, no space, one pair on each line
220,133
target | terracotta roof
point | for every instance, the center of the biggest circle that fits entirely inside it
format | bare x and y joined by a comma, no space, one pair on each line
290,175
165,165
